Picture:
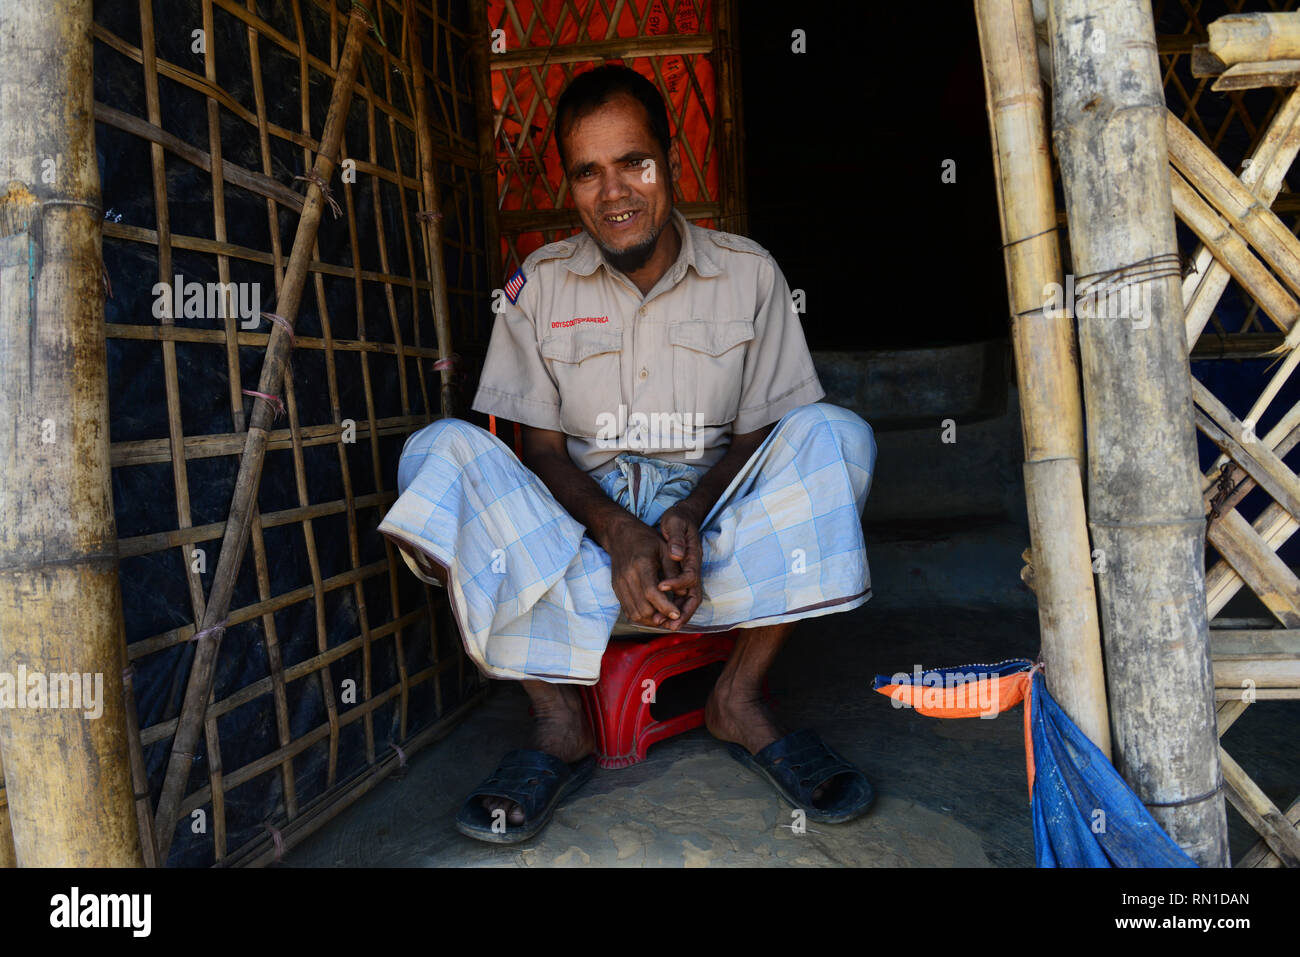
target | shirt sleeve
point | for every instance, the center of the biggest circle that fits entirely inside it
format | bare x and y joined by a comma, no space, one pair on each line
515,383
779,374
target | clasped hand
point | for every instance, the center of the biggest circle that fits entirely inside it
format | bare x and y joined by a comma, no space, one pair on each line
656,571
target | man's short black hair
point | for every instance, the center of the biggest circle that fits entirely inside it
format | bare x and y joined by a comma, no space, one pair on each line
593,89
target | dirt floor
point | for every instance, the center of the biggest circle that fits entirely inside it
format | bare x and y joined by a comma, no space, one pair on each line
949,793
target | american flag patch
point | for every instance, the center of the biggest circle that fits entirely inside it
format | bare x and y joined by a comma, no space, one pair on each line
515,285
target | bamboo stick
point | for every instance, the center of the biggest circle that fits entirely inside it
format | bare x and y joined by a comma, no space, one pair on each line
1261,813
730,119
1268,576
481,84
1144,494
1229,249
1254,37
329,806
1262,175
1046,368
620,48
68,782
1260,854
199,685
1268,471
7,858
432,220
1258,224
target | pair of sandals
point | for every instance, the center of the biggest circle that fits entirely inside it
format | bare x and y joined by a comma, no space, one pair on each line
795,765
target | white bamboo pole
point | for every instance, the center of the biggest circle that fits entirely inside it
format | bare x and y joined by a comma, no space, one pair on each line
1145,506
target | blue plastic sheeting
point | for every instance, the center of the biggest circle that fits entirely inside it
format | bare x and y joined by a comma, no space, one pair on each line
1084,813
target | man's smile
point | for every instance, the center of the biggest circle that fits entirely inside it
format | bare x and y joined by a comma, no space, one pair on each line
621,218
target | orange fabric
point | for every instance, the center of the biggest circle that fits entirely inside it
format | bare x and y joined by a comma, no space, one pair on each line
961,701
1029,736
515,92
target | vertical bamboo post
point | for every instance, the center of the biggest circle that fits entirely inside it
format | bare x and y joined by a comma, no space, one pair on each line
728,110
6,833
481,72
1047,368
67,777
239,523
433,207
1144,491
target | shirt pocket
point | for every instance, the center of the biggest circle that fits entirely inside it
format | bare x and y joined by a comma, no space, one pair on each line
586,369
708,363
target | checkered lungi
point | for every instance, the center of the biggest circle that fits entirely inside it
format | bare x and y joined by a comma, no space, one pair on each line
532,593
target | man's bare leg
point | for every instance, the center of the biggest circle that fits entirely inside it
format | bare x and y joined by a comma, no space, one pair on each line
735,711
560,728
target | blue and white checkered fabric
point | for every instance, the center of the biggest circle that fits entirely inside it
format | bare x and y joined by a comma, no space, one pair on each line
532,593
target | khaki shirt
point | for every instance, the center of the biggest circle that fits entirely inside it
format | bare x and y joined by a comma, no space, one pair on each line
715,348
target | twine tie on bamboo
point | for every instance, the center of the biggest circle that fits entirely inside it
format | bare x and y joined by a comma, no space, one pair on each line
210,631
315,179
401,755
449,362
277,838
284,323
1162,266
274,400
431,216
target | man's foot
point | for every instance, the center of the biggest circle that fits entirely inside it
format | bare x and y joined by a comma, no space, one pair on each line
560,729
739,716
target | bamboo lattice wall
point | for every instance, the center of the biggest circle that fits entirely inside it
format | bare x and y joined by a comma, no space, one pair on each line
1230,153
198,152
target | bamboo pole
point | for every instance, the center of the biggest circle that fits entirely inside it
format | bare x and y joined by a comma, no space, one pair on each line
7,858
480,70
1253,37
67,777
432,218
199,686
730,120
1144,491
1047,368
1263,177
1258,224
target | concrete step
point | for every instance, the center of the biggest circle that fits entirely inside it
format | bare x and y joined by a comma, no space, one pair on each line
971,560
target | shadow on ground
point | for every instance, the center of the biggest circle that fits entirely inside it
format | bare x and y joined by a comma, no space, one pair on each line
949,793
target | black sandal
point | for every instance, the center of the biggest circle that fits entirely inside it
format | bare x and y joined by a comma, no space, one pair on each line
798,764
534,780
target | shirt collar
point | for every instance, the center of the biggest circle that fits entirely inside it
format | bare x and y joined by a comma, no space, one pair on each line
586,257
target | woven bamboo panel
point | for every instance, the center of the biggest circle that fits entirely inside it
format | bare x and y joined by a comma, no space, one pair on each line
683,46
1248,410
1231,124
336,662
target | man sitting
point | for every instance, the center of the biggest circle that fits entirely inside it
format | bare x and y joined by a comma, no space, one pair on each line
679,471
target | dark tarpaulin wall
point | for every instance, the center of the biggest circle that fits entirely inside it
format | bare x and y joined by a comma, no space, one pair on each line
334,652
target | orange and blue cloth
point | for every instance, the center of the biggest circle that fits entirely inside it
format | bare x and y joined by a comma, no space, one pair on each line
1084,814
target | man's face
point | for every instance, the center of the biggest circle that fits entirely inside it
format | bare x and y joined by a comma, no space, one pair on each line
621,188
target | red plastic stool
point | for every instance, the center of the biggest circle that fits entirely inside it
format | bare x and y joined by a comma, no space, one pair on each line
622,721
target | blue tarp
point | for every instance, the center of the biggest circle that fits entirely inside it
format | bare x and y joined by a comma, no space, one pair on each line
1085,815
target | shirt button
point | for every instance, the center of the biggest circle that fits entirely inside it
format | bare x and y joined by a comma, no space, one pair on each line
641,312
644,373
